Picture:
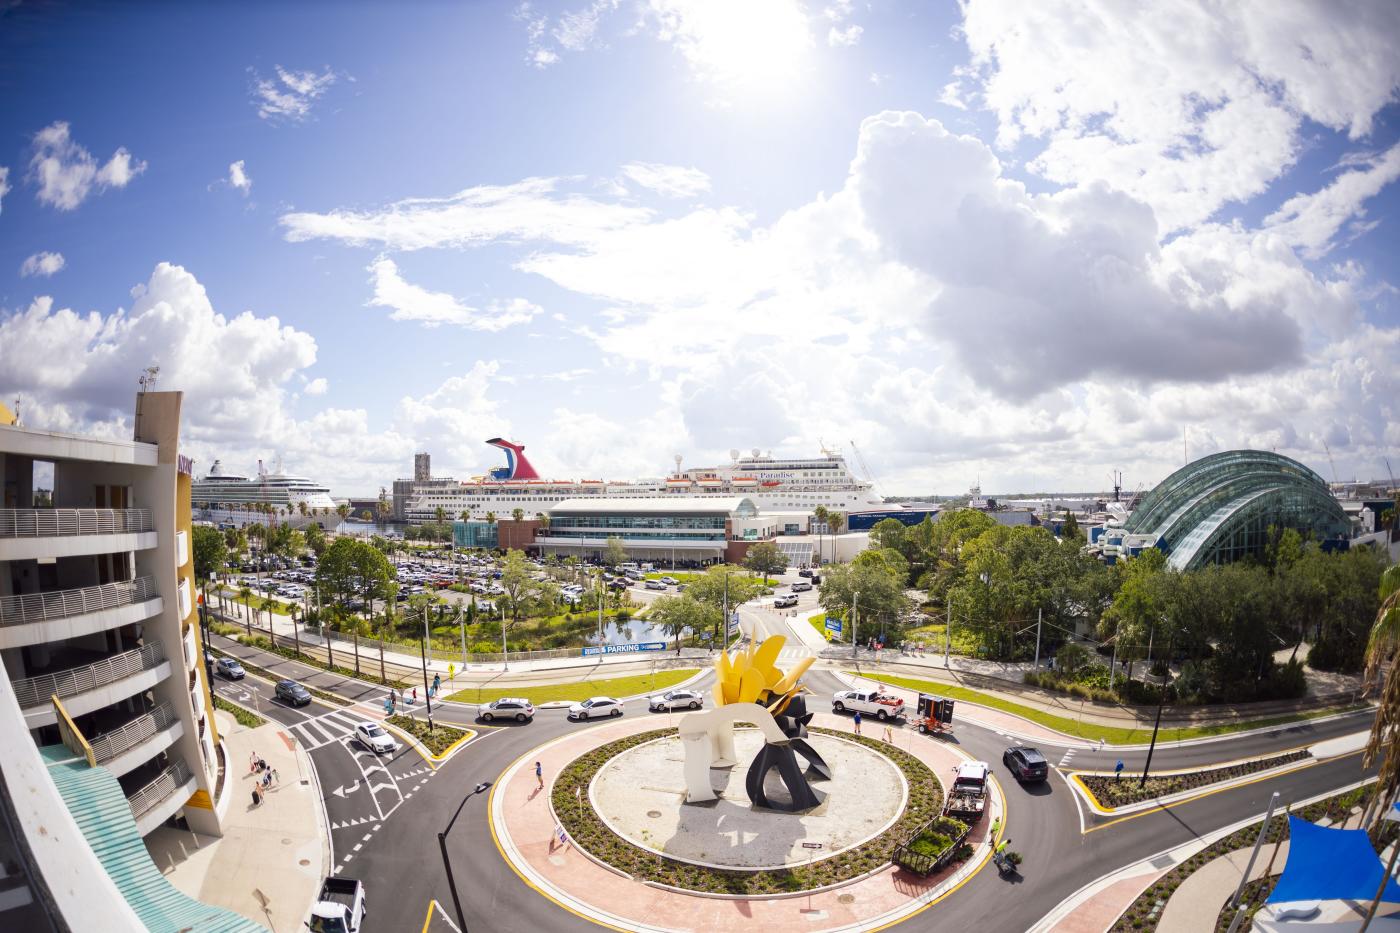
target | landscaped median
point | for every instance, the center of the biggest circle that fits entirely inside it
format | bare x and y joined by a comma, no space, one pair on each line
436,744
267,675
1113,735
1109,792
580,689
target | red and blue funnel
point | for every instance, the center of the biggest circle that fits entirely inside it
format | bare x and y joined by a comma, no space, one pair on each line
517,467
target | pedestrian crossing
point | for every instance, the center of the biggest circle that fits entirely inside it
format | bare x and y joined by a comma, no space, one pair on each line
1069,755
325,729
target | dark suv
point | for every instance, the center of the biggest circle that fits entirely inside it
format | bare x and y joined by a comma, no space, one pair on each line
289,691
1026,763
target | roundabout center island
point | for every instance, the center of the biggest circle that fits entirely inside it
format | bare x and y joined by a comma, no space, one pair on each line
641,796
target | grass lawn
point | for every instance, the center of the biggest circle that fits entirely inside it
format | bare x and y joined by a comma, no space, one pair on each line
1114,735
931,636
675,574
581,690
251,720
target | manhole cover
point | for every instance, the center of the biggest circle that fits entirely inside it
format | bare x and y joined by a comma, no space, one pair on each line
305,861
846,899
286,842
305,781
653,813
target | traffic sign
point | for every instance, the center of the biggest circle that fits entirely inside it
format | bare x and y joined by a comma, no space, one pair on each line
811,845
833,625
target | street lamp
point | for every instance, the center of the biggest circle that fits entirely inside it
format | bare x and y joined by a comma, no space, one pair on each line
855,643
446,863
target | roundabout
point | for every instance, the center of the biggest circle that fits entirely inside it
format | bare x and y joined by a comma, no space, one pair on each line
605,878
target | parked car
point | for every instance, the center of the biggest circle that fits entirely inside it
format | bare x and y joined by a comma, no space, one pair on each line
670,581
289,691
676,699
229,668
507,708
785,601
1026,763
595,707
654,585
373,737
804,572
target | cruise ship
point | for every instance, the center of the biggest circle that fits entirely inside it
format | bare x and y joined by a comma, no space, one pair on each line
231,498
777,484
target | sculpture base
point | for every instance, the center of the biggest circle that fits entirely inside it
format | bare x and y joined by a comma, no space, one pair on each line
640,795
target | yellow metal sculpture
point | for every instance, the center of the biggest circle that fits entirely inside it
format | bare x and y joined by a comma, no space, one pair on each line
752,677
749,687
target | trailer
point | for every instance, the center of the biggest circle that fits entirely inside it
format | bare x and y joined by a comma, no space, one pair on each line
935,715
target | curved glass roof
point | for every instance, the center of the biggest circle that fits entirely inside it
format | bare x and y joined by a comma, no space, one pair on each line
1220,507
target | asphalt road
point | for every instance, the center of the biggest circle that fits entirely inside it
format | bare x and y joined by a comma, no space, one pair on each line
394,814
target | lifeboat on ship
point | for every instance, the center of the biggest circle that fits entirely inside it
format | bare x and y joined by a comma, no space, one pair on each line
679,483
711,483
747,482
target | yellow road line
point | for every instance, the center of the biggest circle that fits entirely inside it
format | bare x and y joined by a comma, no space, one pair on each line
1212,791
429,919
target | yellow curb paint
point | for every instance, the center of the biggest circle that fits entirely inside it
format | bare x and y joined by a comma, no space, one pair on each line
432,905
1209,793
422,750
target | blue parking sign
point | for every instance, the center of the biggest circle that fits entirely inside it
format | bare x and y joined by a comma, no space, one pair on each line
833,625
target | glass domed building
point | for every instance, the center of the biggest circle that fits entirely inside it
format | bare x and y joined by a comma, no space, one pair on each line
1219,508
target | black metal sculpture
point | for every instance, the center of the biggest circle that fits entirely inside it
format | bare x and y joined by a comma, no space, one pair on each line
792,719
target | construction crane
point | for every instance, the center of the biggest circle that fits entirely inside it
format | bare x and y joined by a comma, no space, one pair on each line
865,467
1335,480
1115,478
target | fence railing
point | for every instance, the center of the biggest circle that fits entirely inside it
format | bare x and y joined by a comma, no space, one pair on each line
35,691
52,523
166,783
62,604
109,745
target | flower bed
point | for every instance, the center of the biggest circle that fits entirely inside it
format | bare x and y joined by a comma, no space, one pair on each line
1114,792
245,717
933,846
437,741
588,831
1144,913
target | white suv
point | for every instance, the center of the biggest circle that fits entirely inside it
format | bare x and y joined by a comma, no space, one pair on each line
507,708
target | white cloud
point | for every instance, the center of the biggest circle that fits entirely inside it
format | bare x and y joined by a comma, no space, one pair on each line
4,183
238,177
291,94
1311,221
414,303
844,37
44,264
77,372
1115,95
672,181
526,210
66,173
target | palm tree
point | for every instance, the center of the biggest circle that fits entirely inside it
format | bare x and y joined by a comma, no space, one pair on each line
821,514
517,514
1382,649
440,515
834,521
301,507
343,510
246,594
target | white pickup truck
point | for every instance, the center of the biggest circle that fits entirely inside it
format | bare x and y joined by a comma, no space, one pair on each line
340,908
868,702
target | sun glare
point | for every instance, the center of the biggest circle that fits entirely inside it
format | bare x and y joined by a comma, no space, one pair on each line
749,45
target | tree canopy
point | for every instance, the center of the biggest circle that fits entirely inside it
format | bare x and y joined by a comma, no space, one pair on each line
765,558
210,551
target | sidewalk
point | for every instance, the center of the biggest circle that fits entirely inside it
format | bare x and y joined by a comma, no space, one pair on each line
279,850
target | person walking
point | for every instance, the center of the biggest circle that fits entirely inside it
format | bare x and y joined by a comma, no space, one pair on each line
857,722
437,682
539,774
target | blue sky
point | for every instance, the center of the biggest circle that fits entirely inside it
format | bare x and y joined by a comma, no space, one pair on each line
1030,244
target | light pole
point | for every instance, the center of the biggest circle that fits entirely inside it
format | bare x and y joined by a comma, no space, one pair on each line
447,863
855,643
427,696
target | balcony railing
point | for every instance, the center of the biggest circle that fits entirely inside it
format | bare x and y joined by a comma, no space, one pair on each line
168,782
36,691
63,604
56,523
109,745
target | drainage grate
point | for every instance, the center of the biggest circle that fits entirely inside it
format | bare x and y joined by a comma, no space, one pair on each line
846,899
653,813
1162,861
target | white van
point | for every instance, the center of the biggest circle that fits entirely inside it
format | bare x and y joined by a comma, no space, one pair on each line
630,565
801,586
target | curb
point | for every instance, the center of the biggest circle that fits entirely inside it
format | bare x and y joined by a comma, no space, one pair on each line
1082,790
433,760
